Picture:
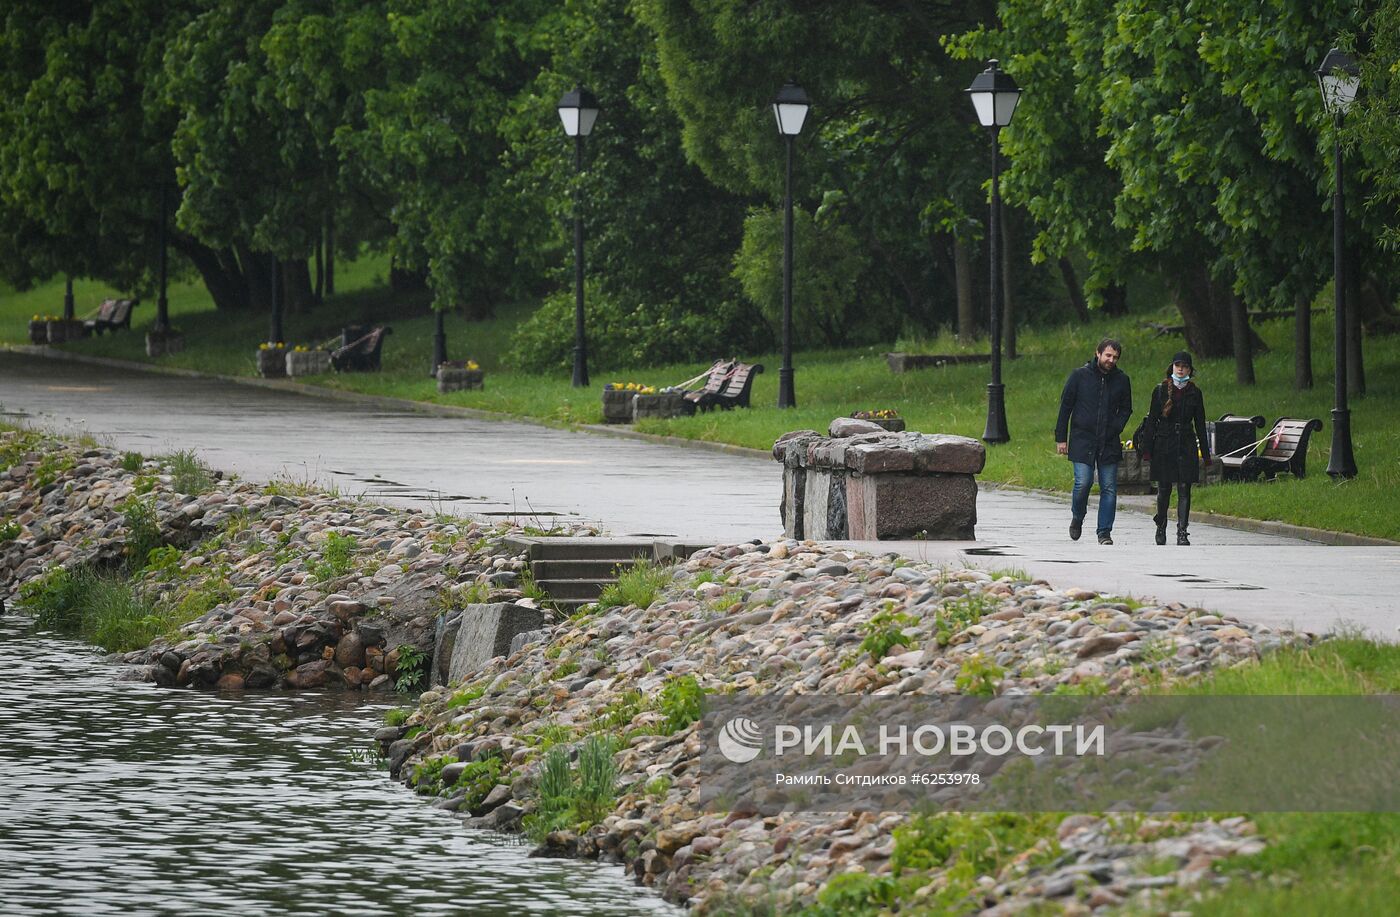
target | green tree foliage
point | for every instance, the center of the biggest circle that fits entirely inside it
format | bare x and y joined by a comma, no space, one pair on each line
890,143
1202,154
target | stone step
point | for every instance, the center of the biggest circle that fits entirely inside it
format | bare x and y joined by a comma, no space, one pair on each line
620,550
564,589
578,569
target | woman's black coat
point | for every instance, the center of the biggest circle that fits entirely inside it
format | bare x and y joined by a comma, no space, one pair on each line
1174,442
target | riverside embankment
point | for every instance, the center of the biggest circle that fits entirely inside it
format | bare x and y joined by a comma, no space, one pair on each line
254,585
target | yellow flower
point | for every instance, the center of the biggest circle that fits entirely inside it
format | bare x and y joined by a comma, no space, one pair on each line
471,364
36,318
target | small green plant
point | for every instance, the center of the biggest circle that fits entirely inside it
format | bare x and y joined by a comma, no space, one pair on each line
466,696
682,701
101,609
1011,573
551,735
10,530
565,669
703,577
337,557
1092,686
188,475
143,530
50,466
658,787
426,776
958,614
55,599
397,716
478,779
164,561
132,461
979,676
578,798
725,601
412,667
636,585
885,629
619,714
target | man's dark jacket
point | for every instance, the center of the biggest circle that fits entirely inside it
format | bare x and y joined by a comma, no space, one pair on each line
1094,408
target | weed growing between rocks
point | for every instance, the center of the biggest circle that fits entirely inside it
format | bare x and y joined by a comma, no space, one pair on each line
575,798
101,608
636,585
188,475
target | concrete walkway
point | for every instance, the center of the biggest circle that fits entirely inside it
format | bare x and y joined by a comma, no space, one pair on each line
536,474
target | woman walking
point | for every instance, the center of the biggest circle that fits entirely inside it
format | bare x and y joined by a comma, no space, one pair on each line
1177,419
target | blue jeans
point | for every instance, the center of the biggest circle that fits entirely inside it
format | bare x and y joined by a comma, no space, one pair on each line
1108,493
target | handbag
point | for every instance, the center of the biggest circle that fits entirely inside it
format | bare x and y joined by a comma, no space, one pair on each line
1142,436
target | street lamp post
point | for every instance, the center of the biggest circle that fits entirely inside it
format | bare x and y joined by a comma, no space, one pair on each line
275,328
790,107
68,310
1339,78
578,109
994,95
439,343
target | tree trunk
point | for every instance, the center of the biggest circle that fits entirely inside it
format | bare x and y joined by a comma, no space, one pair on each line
330,253
1204,310
320,271
1356,370
1075,290
967,311
1240,340
1008,298
1302,342
1115,300
219,272
297,295
255,274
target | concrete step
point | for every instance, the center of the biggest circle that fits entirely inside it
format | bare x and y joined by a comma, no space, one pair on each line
620,550
587,590
577,569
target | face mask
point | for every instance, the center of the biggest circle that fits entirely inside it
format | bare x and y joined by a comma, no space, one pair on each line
1180,381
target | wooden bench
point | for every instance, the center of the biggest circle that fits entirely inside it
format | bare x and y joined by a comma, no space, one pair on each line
361,355
1283,449
111,315
737,390
1234,438
716,376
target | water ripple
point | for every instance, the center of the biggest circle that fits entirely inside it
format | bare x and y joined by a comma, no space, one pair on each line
118,797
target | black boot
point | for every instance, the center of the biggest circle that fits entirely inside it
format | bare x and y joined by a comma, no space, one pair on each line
1161,534
1181,537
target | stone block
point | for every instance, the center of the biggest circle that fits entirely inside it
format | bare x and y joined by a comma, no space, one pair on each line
161,343
486,631
850,426
946,453
308,362
878,458
789,439
794,501
824,508
941,507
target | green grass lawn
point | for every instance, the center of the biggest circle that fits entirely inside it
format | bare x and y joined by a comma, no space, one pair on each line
828,383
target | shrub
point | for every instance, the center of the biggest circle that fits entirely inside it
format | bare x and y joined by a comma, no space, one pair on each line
132,461
101,609
412,668
884,630
55,599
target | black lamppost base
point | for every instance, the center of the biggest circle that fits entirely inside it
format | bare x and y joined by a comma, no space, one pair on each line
1341,464
439,353
787,394
162,322
580,368
996,431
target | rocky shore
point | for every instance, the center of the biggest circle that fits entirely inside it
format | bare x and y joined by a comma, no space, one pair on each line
316,590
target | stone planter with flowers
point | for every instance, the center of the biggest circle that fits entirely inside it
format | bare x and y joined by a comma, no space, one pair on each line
272,359
889,419
618,397
459,375
303,361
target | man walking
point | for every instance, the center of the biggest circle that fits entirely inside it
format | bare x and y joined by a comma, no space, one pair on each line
1095,406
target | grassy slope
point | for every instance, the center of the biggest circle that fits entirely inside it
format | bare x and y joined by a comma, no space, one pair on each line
831,383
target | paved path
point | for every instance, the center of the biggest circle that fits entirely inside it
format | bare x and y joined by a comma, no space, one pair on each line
529,472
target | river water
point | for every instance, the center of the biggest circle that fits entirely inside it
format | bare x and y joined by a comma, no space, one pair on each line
118,797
